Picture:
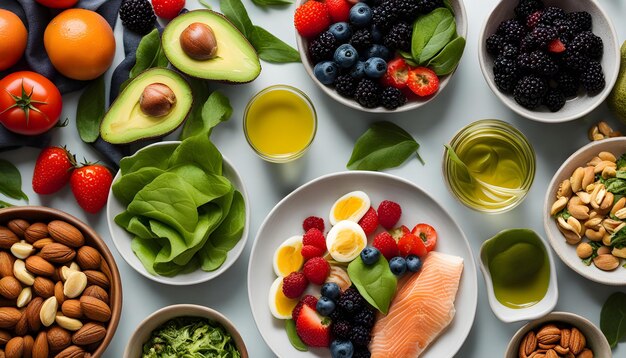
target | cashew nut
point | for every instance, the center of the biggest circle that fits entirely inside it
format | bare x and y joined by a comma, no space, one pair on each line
576,180
595,235
558,205
589,176
565,189
608,156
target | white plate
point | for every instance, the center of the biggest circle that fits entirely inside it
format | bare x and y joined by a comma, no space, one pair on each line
316,198
122,238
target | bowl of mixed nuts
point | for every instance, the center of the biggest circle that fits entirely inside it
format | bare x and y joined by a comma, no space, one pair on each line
585,211
60,289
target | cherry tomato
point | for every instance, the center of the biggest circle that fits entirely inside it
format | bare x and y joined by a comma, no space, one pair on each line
29,103
411,244
58,4
428,234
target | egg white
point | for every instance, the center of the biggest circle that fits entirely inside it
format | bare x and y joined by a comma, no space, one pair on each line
357,215
292,241
340,227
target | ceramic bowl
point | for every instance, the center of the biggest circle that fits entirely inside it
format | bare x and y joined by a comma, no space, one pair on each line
567,252
34,214
122,239
413,102
576,107
507,314
595,339
144,329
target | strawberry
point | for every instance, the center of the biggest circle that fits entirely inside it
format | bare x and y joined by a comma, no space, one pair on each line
313,329
314,237
410,244
313,222
397,73
310,251
423,81
167,9
398,232
90,185
338,10
308,300
386,244
294,284
316,270
369,221
53,169
556,46
389,213
311,18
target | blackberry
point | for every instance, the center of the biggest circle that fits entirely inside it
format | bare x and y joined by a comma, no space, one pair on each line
533,19
526,7
341,329
542,35
495,43
360,335
383,16
512,31
361,352
406,10
551,14
399,37
392,98
361,39
554,100
588,44
567,83
565,29
575,60
323,47
137,16
367,94
529,91
337,315
592,77
509,51
506,74
537,62
345,85
426,6
366,317
580,20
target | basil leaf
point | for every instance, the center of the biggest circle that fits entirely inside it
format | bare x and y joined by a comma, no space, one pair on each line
216,109
408,58
464,172
90,111
272,2
613,318
444,32
205,4
621,162
237,14
4,204
432,30
384,145
446,61
11,181
446,3
149,54
272,49
376,283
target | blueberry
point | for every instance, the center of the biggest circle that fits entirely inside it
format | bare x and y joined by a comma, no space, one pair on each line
360,14
325,306
375,67
331,290
358,71
377,34
341,31
377,50
345,56
397,265
326,72
341,349
413,263
370,255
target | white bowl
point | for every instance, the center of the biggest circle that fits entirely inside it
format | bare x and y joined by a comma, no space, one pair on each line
122,238
567,252
541,308
141,335
574,108
303,44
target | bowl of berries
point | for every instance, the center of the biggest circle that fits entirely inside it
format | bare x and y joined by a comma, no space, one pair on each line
381,56
550,61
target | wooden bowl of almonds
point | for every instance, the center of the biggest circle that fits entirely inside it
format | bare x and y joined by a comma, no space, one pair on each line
60,289
559,335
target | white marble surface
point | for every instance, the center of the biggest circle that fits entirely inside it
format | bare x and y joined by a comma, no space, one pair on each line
465,100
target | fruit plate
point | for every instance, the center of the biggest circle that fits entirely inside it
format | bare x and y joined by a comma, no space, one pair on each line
316,198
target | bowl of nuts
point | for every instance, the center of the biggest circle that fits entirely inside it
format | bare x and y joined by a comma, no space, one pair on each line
585,211
60,289
559,334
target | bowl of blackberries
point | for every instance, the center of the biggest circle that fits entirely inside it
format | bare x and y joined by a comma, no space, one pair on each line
549,60
381,56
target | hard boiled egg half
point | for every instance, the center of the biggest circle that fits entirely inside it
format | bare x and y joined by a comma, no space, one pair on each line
346,240
281,306
288,257
351,206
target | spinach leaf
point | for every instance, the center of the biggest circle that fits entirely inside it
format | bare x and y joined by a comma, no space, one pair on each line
271,48
228,234
127,186
140,227
435,24
446,61
156,157
376,283
216,109
198,150
272,2
203,187
408,58
613,318
149,54
11,181
146,251
384,145
205,4
211,258
620,174
195,123
90,111
4,204
444,33
618,239
621,162
616,186
294,339
237,14
448,5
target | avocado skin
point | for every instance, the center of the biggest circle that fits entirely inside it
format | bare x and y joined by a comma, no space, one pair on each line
617,98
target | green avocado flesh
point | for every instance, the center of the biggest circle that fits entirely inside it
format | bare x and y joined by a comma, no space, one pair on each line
125,122
236,60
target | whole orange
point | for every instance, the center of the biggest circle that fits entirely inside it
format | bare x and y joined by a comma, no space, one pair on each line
13,37
80,44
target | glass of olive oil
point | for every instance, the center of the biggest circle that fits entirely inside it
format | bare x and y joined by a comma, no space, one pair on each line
489,166
280,123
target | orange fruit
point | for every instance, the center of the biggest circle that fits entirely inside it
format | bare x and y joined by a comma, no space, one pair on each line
80,44
13,37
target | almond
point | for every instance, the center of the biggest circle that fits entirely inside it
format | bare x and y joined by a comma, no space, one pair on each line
29,342
10,287
39,266
9,316
565,334
97,278
58,339
71,352
5,336
39,244
551,354
104,267
43,287
14,348
48,311
32,314
95,309
75,284
528,345
58,292
72,309
66,233
18,226
57,253
70,324
606,262
21,273
586,353
22,250
7,238
24,298
21,328
88,258
40,346
88,334
36,231
549,334
97,292
577,341
6,264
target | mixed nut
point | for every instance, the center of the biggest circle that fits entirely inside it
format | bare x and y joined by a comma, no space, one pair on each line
553,341
591,204
54,291
602,130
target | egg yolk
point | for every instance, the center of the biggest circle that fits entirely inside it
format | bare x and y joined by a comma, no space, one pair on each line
284,304
347,242
347,207
289,259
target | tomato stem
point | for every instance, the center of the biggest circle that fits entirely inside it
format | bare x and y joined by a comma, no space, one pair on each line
26,103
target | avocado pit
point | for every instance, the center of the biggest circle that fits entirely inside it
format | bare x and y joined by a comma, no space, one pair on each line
157,100
198,41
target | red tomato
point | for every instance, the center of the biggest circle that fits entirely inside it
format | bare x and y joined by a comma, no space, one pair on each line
428,234
58,4
29,103
410,244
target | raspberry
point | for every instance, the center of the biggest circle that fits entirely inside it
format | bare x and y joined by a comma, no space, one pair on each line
314,237
294,284
316,270
386,244
306,300
533,19
313,222
389,213
167,9
338,10
310,251
369,221
311,18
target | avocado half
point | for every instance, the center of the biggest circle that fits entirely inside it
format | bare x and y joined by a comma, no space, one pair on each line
125,122
236,60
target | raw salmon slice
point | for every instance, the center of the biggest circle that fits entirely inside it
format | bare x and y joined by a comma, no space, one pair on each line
422,309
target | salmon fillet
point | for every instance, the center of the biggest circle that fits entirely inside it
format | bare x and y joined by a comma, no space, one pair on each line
422,308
